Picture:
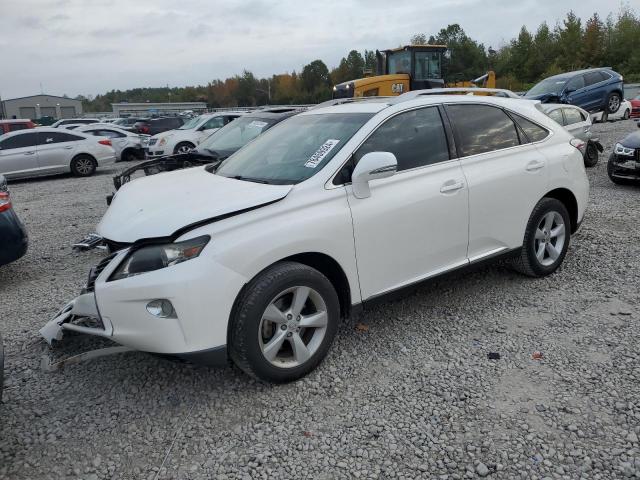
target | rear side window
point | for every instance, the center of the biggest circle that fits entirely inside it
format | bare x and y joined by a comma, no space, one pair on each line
572,116
533,131
106,133
557,116
19,141
417,138
482,128
47,138
592,77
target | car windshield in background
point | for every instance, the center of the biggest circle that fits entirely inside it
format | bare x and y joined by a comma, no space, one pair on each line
235,135
550,85
190,124
295,150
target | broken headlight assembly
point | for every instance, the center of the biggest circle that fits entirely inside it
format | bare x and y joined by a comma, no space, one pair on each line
622,150
155,257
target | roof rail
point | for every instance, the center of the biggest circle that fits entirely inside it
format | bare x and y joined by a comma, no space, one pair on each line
498,92
340,101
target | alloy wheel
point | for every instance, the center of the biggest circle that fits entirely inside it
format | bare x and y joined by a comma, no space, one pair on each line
549,238
293,326
84,166
184,149
614,103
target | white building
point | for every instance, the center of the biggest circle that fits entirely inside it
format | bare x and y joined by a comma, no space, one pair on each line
38,106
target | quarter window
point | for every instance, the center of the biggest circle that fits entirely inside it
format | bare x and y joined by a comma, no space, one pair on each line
534,132
19,141
482,128
417,138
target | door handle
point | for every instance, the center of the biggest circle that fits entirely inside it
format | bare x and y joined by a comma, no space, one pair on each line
534,165
29,153
68,147
451,186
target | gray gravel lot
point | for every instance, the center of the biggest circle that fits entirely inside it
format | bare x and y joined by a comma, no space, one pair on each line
406,392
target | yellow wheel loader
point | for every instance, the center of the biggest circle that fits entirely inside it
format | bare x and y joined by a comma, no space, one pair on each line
400,70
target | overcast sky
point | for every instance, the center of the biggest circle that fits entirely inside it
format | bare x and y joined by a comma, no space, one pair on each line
91,46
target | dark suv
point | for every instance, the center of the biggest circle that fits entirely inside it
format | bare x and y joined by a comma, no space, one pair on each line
157,125
595,90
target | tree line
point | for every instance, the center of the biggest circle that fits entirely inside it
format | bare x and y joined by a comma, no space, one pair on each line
569,45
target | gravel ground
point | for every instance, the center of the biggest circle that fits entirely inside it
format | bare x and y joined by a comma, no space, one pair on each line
406,392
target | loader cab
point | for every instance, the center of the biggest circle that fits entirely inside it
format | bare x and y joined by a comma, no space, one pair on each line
412,67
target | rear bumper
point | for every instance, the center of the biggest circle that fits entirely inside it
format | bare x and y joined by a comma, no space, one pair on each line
14,240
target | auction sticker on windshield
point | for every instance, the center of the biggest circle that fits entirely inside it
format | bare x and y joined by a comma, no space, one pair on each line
322,152
258,124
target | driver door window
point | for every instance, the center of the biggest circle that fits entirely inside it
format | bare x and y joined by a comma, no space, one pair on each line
575,83
215,122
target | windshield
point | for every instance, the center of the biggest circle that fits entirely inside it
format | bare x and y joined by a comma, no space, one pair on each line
550,85
235,135
295,150
190,124
399,62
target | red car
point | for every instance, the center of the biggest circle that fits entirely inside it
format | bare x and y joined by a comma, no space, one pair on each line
14,124
635,107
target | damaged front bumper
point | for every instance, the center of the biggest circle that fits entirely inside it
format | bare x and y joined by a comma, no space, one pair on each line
79,315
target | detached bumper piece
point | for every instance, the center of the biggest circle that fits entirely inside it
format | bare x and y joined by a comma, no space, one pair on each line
79,315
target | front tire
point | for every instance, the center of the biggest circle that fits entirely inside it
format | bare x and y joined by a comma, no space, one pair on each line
83,166
183,147
591,155
283,323
613,102
626,115
546,239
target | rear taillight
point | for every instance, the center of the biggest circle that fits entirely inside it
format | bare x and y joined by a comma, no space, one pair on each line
105,142
579,144
145,129
5,201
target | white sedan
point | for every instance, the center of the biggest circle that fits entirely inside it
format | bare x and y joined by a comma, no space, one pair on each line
128,145
47,151
189,135
322,215
623,113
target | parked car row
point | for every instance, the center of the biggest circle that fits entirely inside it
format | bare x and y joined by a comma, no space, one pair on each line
256,258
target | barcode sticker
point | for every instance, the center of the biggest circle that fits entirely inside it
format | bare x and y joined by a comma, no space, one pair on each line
322,152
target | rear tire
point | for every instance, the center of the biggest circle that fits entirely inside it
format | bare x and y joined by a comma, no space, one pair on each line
129,155
183,147
268,338
83,166
546,239
591,155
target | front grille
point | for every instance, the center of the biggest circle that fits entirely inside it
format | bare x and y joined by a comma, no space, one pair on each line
637,155
152,141
95,272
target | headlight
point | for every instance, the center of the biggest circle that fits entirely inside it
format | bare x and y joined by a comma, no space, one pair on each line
622,150
155,257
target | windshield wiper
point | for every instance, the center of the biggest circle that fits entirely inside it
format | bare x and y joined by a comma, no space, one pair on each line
250,179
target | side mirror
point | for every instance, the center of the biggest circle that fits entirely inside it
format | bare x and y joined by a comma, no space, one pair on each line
372,166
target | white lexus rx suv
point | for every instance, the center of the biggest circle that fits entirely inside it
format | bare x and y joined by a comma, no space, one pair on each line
256,260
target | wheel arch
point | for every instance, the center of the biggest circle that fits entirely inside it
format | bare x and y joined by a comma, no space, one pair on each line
83,154
126,150
569,200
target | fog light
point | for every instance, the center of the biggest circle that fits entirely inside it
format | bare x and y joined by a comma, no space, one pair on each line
161,308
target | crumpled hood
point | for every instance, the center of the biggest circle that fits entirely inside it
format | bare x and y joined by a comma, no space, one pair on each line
159,205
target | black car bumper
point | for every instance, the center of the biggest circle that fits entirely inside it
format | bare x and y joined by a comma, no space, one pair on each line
624,167
13,237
